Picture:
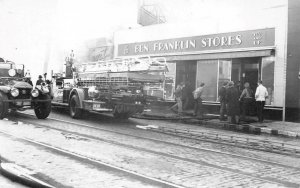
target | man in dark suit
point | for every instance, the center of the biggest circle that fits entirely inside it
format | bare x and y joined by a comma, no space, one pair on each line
40,80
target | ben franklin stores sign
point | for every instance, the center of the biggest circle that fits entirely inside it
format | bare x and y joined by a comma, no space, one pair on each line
223,41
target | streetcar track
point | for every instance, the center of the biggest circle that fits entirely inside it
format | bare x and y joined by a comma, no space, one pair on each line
159,141
95,162
240,142
269,179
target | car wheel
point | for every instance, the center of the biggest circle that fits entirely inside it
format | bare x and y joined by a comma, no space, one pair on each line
43,109
75,110
3,105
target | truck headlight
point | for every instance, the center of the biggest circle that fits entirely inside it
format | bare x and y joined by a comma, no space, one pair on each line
14,92
11,72
35,93
138,91
93,92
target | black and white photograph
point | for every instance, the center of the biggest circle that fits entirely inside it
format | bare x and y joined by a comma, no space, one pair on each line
150,94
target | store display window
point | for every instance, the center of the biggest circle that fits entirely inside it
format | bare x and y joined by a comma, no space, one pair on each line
207,72
267,67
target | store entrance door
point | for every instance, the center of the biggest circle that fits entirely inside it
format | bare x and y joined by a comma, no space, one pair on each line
186,73
246,70
251,76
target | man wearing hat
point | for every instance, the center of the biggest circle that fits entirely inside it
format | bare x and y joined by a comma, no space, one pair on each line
40,80
233,105
222,97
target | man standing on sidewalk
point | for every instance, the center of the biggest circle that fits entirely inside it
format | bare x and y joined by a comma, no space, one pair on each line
178,97
233,105
198,101
187,96
260,95
222,95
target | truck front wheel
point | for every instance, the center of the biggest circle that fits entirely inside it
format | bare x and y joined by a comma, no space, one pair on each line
43,109
3,105
75,110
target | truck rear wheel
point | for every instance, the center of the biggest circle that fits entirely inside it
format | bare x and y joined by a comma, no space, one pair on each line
75,110
43,109
3,105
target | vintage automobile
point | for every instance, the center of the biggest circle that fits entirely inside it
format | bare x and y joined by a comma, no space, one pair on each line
16,94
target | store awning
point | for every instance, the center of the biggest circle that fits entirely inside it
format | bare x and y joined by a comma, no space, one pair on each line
222,55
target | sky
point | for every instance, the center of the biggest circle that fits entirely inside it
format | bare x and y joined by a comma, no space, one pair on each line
39,33
89,19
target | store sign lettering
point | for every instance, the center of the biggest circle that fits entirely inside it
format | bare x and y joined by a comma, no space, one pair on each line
221,41
244,39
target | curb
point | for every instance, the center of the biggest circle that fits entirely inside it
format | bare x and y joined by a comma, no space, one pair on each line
245,128
21,175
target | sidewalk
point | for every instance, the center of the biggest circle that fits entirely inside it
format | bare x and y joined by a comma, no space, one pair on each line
277,128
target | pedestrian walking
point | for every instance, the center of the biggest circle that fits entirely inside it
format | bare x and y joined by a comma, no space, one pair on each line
232,101
178,97
246,99
198,107
261,94
222,99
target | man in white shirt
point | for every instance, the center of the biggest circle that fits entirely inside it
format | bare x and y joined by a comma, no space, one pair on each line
260,96
198,108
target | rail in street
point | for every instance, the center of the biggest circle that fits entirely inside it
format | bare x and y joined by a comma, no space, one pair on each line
111,176
236,141
4,182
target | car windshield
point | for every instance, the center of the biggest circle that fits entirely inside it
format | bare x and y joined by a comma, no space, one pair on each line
4,67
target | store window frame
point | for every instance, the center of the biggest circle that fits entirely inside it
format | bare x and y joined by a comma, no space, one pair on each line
218,76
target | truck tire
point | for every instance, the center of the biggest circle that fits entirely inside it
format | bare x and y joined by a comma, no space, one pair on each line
75,110
43,109
3,105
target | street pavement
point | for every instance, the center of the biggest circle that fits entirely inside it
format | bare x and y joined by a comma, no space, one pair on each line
46,164
271,127
234,171
57,169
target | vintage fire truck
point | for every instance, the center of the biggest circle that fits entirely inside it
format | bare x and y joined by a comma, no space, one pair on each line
18,95
119,86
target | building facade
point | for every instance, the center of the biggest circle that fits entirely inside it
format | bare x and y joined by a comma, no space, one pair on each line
244,48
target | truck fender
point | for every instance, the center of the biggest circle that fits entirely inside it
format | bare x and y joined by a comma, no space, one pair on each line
79,93
4,89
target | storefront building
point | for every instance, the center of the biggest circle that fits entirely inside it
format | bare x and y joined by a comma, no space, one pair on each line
244,48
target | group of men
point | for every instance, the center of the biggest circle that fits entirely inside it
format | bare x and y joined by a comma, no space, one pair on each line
232,101
182,96
28,79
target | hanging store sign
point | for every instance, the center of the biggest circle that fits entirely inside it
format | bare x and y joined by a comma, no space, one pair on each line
223,41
